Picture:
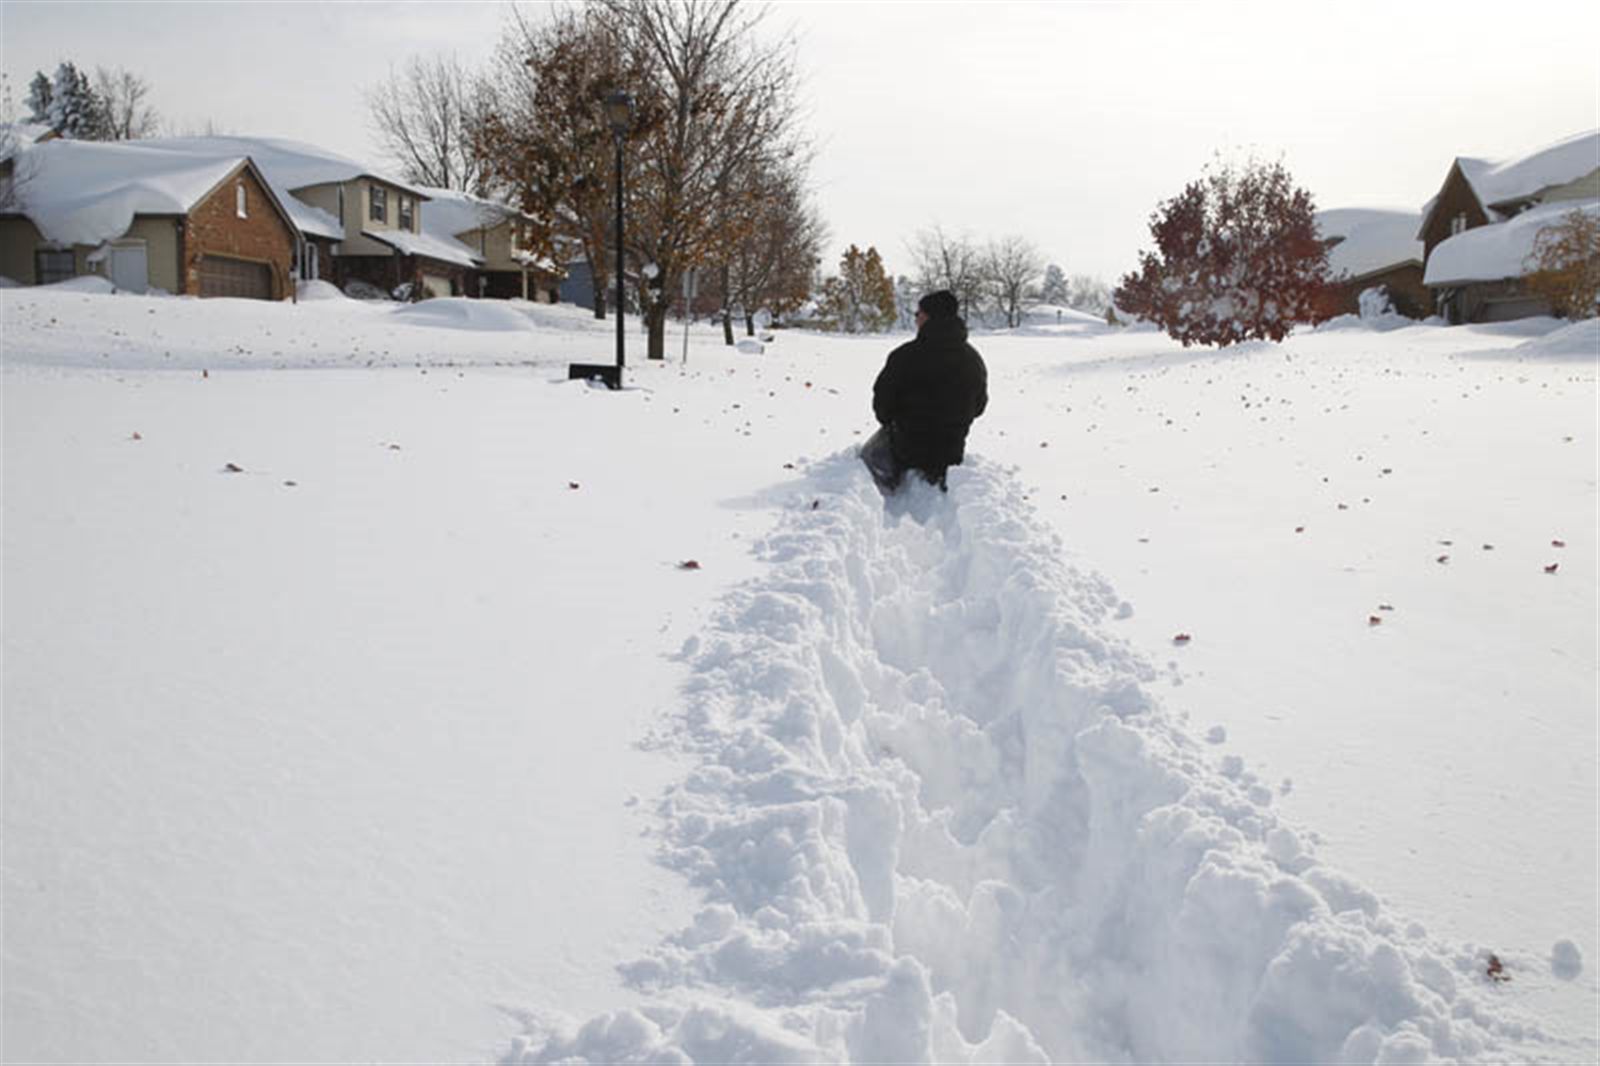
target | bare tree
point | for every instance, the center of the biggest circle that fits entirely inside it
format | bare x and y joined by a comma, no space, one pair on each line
124,100
944,261
1088,292
423,114
1010,267
714,102
772,263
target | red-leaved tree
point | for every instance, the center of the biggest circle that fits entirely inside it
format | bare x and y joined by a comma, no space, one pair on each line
1237,258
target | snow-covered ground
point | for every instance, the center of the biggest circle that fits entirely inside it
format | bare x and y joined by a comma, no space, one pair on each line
360,704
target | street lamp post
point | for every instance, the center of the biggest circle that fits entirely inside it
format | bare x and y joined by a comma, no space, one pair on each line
619,116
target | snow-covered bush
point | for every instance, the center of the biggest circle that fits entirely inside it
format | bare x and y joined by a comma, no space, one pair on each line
1238,257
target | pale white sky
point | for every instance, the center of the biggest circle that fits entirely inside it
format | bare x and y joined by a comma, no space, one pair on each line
1064,122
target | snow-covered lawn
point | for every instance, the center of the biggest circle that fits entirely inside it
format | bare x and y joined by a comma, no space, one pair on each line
413,738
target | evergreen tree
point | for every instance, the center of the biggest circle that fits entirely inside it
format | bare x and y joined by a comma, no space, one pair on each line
39,98
75,109
861,298
1054,288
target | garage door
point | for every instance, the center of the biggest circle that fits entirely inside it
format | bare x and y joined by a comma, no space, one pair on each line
221,276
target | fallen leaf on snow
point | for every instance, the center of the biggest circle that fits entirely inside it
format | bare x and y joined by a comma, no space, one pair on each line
1553,544
572,484
1442,559
1374,620
1496,970
136,436
233,468
1551,568
1182,638
689,564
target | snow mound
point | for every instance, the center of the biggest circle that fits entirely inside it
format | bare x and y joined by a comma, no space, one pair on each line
94,283
9,283
937,817
459,312
1580,339
311,291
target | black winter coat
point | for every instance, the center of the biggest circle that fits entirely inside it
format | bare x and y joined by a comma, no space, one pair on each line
928,393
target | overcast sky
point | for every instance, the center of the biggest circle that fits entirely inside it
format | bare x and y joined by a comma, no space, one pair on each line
1065,123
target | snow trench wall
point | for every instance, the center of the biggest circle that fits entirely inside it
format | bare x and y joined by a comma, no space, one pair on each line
938,818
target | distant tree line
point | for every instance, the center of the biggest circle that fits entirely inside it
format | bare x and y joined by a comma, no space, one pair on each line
716,162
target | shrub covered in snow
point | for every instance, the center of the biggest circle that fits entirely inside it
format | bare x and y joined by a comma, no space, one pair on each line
1238,257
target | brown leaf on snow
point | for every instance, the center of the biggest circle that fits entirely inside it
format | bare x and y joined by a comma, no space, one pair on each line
1442,559
1496,970
1374,620
1182,638
1553,544
233,468
1299,529
1551,568
689,564
1385,606
572,484
136,436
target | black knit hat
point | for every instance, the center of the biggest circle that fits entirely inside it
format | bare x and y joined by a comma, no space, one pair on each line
941,304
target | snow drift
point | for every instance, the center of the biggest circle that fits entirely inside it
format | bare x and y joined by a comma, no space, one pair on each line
937,816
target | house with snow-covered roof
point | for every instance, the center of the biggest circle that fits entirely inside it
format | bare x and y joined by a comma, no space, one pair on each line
178,222
1375,248
500,241
1479,229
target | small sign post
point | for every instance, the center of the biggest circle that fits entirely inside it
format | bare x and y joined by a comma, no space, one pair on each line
691,289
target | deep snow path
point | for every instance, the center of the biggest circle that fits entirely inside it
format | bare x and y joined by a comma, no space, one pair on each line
938,818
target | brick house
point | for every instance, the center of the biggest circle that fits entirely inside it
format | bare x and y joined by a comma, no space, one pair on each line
1473,269
173,222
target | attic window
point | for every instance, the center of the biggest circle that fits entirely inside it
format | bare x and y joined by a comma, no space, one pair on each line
380,205
239,201
406,214
1458,224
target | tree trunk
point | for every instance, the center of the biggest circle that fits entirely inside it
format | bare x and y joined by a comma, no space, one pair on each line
727,327
599,296
655,320
749,325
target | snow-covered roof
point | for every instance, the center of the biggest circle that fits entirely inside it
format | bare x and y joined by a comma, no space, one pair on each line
1370,239
287,166
1490,253
1511,179
451,213
445,249
1506,181
15,136
87,192
296,164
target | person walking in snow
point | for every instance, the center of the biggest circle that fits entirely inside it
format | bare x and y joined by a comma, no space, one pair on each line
926,397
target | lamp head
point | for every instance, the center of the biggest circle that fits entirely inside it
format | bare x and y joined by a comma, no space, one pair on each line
619,111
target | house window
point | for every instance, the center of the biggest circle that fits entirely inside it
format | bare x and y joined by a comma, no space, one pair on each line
341,207
239,206
380,205
1458,224
406,214
52,266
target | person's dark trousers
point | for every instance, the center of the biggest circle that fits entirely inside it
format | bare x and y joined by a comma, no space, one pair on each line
887,469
